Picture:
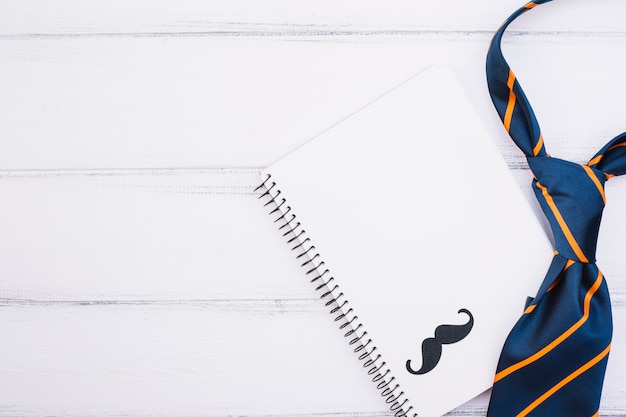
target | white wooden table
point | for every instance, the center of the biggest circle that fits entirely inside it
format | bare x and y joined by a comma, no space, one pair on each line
139,276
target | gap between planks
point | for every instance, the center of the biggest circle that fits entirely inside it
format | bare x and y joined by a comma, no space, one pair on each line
264,306
246,30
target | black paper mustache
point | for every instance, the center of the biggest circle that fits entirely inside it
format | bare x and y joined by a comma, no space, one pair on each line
445,334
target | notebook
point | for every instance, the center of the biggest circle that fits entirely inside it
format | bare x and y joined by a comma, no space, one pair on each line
414,233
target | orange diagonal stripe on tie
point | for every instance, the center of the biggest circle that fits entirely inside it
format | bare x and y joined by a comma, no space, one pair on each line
538,146
596,181
530,308
599,157
586,307
565,381
595,160
559,218
508,114
569,263
616,146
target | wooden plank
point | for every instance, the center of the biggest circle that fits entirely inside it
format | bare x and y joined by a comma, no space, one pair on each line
140,236
179,360
149,235
276,16
173,235
199,359
143,102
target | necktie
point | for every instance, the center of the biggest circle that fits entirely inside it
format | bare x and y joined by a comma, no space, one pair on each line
553,361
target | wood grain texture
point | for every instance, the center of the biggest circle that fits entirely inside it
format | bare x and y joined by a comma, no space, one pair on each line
139,275
173,234
188,17
154,102
180,359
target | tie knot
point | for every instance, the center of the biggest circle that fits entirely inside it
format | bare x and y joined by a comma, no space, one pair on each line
572,197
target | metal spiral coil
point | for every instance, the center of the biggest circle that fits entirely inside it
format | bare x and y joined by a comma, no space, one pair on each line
330,292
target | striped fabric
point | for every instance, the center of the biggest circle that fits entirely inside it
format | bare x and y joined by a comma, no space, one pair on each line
553,361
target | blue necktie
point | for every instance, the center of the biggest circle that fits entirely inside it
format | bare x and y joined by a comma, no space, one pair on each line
553,361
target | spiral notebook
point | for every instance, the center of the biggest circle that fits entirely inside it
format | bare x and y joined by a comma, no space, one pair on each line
414,233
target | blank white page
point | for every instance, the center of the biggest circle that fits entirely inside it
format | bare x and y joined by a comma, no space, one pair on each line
416,215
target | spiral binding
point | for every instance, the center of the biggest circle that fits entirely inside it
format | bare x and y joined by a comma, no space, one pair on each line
330,292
